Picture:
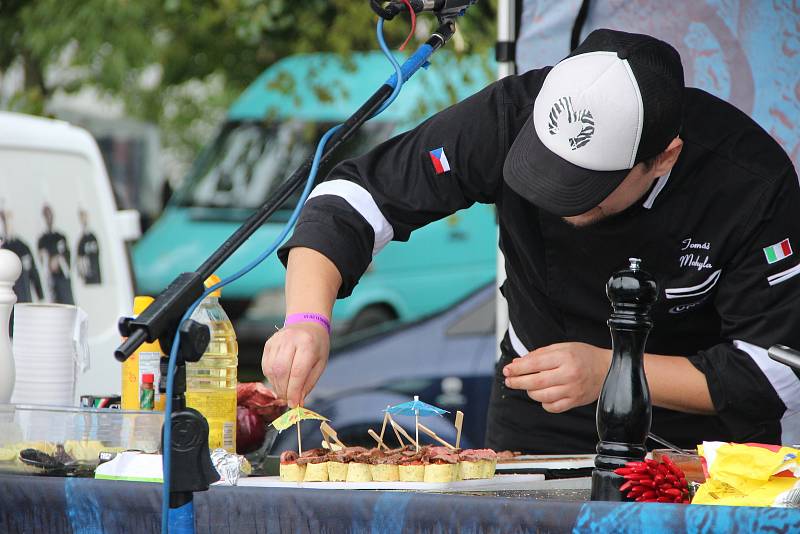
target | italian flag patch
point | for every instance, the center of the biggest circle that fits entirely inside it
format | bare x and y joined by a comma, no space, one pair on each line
778,251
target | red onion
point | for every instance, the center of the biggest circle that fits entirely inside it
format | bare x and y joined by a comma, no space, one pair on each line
257,407
250,431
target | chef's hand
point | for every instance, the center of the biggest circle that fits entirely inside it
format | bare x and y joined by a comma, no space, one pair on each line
294,358
560,376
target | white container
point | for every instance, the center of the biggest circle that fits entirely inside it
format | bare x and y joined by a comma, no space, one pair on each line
48,347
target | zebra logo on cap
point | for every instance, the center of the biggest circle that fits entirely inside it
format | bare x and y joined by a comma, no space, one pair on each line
583,116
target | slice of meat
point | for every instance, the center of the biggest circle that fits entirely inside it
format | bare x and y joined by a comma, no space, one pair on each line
288,457
312,460
476,455
314,453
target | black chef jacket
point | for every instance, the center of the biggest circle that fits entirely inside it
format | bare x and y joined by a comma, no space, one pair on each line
705,231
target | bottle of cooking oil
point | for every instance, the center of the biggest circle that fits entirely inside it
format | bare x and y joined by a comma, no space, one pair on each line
211,382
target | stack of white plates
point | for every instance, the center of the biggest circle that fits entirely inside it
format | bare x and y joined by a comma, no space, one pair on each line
44,354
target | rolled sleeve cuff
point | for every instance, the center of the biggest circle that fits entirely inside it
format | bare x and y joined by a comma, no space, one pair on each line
339,233
745,399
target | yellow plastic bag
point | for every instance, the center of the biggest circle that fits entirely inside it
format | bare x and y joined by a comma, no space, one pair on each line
744,475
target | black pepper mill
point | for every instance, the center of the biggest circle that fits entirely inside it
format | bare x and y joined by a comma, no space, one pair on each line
624,409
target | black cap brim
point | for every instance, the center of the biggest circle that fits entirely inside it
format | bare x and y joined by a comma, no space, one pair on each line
552,183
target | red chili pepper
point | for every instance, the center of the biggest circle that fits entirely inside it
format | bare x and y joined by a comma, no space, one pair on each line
651,481
685,501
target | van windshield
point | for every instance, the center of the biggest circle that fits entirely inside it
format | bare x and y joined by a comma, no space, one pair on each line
247,161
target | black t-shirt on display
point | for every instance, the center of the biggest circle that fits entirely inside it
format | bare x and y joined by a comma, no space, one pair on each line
56,266
89,259
717,233
28,281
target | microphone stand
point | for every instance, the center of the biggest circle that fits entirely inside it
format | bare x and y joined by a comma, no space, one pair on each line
191,466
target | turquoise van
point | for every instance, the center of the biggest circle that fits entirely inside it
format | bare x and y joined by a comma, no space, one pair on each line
268,132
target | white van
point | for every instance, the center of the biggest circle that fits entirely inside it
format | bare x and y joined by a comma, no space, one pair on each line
57,213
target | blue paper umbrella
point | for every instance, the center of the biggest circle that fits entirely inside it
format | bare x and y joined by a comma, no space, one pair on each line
416,408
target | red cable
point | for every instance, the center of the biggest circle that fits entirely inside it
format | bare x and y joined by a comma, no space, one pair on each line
413,24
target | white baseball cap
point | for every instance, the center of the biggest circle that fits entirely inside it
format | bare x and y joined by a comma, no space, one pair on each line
614,102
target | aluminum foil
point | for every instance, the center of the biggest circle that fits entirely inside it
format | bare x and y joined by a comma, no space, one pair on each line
789,498
230,466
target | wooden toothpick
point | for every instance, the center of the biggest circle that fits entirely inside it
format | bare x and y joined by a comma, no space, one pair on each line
432,434
325,428
383,426
299,441
396,433
400,429
458,424
325,441
377,438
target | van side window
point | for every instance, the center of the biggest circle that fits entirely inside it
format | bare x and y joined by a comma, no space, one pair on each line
248,160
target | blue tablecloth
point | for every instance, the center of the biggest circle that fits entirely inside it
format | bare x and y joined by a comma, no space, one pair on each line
85,506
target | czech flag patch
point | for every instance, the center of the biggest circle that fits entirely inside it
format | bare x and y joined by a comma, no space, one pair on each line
439,160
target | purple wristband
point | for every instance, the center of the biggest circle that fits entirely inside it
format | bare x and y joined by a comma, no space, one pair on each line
308,318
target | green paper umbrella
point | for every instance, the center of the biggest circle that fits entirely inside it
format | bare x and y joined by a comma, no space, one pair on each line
293,417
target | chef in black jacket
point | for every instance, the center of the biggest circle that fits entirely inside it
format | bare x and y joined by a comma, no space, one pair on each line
603,157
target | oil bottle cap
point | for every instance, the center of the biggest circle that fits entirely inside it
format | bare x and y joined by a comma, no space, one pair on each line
148,378
140,303
211,281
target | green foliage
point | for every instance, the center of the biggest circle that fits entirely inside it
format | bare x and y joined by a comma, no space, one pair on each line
180,63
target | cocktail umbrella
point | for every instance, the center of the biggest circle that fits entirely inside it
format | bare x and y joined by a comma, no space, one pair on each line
416,408
293,417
